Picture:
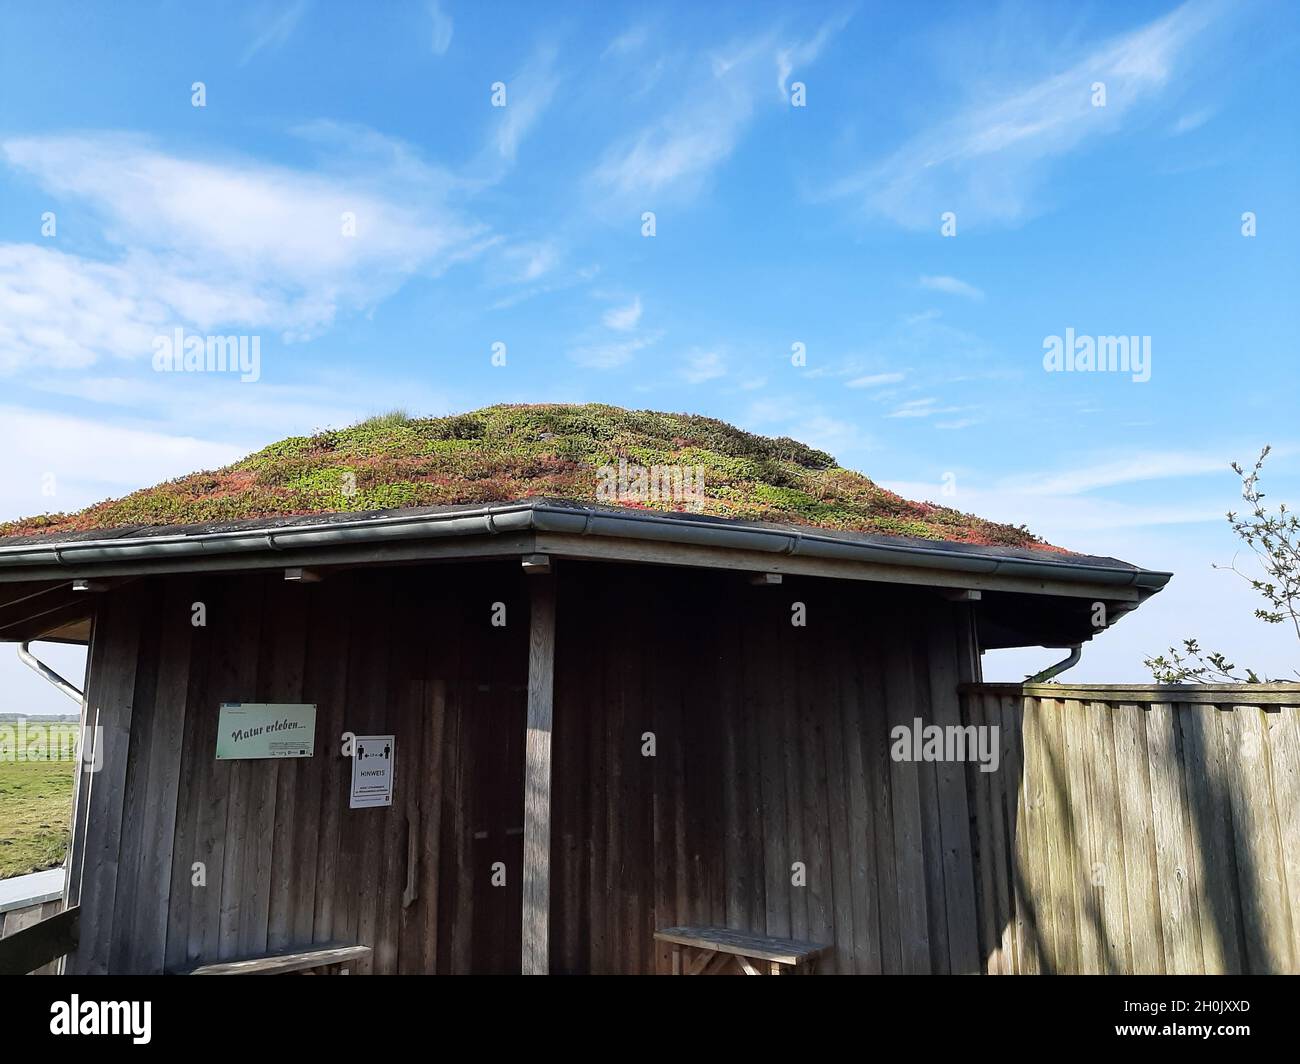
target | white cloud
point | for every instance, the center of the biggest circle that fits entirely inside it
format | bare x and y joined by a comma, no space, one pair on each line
927,407
630,40
952,286
985,161
914,408
1156,466
228,242
531,261
440,26
678,151
801,54
809,423
90,460
60,311
274,31
528,94
1191,121
874,380
611,354
704,366
623,319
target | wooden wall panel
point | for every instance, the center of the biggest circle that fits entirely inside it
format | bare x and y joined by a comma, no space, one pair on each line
772,802
1147,834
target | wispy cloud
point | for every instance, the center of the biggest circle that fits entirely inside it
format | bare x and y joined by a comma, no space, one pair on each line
625,318
440,28
800,54
1152,466
874,380
952,286
274,27
528,94
531,261
704,366
1192,120
610,354
927,407
985,161
678,151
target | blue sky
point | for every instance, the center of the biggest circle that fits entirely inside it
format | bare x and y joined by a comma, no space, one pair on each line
775,225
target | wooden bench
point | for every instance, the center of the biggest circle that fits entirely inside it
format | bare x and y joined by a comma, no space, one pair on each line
333,959
717,948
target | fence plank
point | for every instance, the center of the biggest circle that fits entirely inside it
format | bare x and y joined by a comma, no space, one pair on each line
1211,815
1283,729
1254,824
1145,941
1178,905
1108,839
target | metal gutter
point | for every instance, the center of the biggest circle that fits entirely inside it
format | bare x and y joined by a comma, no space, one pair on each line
520,517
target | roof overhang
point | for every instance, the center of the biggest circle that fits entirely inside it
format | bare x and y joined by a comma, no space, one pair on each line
565,530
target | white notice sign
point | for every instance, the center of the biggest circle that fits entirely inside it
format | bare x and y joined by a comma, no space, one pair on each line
249,730
372,771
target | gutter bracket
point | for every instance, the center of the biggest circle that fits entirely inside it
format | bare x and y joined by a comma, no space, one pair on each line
46,673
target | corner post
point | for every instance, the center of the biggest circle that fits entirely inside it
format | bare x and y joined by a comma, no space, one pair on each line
537,772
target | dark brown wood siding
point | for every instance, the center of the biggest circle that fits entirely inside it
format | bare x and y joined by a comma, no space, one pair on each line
771,749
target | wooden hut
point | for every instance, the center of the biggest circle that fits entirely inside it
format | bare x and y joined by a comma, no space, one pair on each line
607,721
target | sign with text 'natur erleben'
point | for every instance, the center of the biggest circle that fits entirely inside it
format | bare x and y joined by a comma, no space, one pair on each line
373,758
255,730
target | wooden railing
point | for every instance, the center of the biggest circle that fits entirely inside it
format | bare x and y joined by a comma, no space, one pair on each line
1138,828
39,944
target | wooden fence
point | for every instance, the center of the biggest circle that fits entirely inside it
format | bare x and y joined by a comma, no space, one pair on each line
1138,829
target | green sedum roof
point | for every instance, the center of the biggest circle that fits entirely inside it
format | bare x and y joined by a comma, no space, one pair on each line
506,453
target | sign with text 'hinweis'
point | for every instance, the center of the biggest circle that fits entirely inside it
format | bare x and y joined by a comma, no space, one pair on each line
254,730
373,758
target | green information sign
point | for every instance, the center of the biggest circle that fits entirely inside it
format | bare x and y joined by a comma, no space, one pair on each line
251,730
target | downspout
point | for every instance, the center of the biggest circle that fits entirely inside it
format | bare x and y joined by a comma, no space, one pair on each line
1067,662
46,673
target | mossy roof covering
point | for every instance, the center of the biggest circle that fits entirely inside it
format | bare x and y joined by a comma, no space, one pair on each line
508,453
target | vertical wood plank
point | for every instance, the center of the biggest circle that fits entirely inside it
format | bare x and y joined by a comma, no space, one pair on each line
167,742
111,693
858,781
905,791
326,684
1207,783
1146,942
1178,904
1282,731
1107,839
1260,871
1089,929
954,813
537,777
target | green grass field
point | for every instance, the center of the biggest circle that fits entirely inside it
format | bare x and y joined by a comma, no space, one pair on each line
35,812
